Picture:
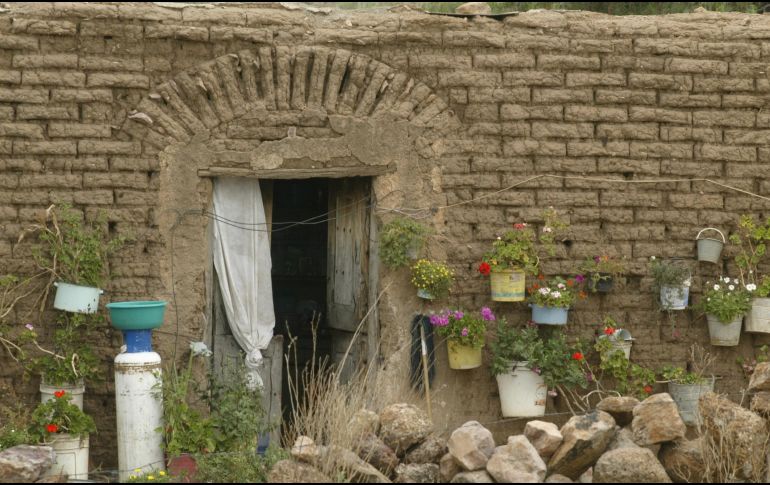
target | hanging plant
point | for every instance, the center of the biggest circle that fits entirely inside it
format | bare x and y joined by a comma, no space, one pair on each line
401,240
432,279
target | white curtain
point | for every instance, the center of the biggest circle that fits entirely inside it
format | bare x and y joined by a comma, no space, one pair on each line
242,259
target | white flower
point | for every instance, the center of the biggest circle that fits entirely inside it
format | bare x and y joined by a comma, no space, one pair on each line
544,291
652,258
708,299
687,282
561,286
556,294
751,287
726,279
547,229
499,238
732,287
716,287
200,348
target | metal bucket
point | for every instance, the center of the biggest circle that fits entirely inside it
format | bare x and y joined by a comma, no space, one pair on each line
724,334
76,298
549,315
425,294
463,357
686,397
674,297
758,318
522,392
507,285
710,249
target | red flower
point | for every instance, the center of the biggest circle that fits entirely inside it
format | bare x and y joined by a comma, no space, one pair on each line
570,282
59,394
583,295
609,331
541,276
577,356
485,269
535,287
648,389
52,428
519,226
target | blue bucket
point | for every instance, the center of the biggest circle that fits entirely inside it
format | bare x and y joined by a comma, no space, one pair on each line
549,315
137,315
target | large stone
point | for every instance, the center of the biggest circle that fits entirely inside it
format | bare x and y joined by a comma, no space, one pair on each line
517,462
403,426
448,468
657,420
738,430
474,8
556,478
585,439
365,422
374,451
624,438
417,473
471,445
760,403
24,463
545,437
620,408
760,378
429,451
305,450
290,471
355,468
629,465
683,461
479,476
587,476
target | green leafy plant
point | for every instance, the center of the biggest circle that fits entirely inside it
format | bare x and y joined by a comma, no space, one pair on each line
558,293
59,416
434,277
680,375
668,274
751,238
629,378
72,358
14,426
399,238
464,328
601,268
519,248
242,467
727,299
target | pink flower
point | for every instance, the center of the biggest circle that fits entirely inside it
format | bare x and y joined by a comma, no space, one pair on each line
486,314
458,315
580,278
29,327
464,333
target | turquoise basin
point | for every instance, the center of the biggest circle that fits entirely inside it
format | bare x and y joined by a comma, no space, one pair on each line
137,315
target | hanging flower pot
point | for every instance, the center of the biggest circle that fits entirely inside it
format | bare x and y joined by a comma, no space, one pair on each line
687,396
710,249
601,272
76,298
425,294
507,285
522,392
674,297
672,280
432,279
550,302
758,317
548,315
601,282
724,334
71,456
74,390
618,340
463,357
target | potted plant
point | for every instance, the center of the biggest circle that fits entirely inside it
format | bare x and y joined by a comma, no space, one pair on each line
516,254
710,249
751,239
551,302
432,279
465,335
617,339
725,303
75,253
629,378
672,281
401,240
63,426
527,366
601,272
685,389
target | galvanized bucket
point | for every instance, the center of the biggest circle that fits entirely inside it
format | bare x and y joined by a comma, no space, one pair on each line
686,397
724,334
710,249
758,318
674,297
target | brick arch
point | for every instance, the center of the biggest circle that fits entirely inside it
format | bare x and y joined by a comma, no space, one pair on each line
282,78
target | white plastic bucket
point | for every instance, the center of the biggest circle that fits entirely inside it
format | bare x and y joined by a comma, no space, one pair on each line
686,397
76,298
522,393
710,250
74,390
758,318
71,457
724,334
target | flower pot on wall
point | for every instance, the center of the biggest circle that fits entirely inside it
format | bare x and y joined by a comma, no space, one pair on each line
71,456
674,297
604,285
710,249
758,318
522,392
545,315
724,334
75,390
463,357
425,294
507,285
687,396
76,298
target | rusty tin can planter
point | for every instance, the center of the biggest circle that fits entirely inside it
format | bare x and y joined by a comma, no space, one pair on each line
463,357
508,285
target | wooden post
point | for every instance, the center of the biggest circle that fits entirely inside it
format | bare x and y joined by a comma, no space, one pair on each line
425,376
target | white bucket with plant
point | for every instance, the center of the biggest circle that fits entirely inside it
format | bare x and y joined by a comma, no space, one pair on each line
725,302
751,238
601,272
401,241
464,333
615,339
672,282
432,279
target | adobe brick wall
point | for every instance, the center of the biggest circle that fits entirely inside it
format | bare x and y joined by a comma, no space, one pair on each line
579,94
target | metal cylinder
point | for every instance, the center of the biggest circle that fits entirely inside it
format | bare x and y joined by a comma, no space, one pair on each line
139,413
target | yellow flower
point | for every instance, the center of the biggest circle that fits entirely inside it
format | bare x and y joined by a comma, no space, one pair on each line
137,470
162,473
132,477
150,477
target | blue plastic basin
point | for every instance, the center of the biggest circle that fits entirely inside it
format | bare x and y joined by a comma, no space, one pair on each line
137,315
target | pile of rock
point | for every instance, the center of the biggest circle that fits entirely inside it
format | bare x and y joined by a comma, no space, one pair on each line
27,464
623,440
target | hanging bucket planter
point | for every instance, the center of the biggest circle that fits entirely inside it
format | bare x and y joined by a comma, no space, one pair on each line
546,315
604,284
425,294
463,357
686,397
621,341
674,297
76,391
758,318
76,298
522,392
71,457
724,334
507,285
710,249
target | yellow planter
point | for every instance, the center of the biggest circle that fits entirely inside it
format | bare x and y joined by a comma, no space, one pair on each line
462,357
507,285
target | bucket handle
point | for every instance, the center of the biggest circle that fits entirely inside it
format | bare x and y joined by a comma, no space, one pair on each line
724,241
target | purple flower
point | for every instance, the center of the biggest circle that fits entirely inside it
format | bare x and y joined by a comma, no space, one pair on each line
580,278
464,332
589,377
597,259
439,320
536,370
29,327
459,315
486,314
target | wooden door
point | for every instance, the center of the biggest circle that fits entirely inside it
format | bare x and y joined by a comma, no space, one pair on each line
348,270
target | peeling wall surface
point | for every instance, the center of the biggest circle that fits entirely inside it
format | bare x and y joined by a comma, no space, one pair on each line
116,108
